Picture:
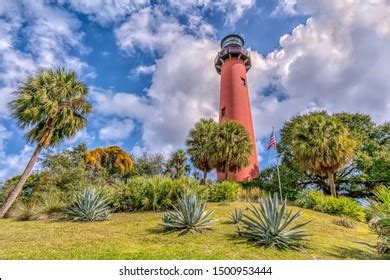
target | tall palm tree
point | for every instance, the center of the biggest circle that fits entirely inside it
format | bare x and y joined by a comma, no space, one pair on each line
177,165
198,141
52,105
230,147
322,144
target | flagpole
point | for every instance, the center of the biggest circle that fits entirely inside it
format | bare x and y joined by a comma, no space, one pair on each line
277,165
277,168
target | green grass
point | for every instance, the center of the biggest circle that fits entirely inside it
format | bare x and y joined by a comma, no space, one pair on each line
137,236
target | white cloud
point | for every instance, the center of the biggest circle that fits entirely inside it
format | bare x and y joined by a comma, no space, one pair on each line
48,35
143,70
338,60
149,28
234,10
286,7
116,130
335,61
120,104
105,11
14,164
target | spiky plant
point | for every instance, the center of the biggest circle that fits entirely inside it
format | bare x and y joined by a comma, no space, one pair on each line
380,221
235,216
271,225
87,207
189,215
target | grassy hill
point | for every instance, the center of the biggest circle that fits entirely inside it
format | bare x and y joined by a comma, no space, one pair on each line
137,236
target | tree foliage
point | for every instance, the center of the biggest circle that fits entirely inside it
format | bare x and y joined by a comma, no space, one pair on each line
177,165
230,147
149,164
52,106
368,168
110,160
322,144
198,142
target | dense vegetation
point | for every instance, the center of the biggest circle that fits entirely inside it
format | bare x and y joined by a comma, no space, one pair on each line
327,161
367,169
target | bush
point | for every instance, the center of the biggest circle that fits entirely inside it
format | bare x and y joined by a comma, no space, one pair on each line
189,215
153,193
345,222
342,206
224,191
269,182
271,225
87,207
380,221
253,194
25,211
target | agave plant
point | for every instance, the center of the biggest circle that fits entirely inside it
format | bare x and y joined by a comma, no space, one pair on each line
380,221
188,216
272,225
87,207
235,216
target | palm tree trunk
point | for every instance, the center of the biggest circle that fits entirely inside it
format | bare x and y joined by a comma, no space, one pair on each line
226,170
204,177
332,184
19,186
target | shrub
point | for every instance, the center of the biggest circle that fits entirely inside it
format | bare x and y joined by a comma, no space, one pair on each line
252,194
271,225
188,216
224,191
87,207
345,222
342,206
380,221
235,216
153,193
305,199
25,211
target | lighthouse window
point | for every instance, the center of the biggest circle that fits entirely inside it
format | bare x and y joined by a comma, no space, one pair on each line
243,82
223,111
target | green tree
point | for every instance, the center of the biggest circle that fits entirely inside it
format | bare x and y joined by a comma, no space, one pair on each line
149,164
177,166
230,148
53,106
322,145
110,160
198,141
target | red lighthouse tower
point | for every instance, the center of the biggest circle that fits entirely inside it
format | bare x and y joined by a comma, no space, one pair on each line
232,63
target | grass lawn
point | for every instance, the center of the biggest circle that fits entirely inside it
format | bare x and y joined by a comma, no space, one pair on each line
137,236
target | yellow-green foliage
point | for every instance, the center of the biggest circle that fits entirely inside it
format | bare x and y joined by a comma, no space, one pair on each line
342,206
135,236
153,193
224,191
113,159
252,194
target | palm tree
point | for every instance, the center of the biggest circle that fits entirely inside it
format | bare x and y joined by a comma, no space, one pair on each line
230,148
322,144
177,165
198,141
53,106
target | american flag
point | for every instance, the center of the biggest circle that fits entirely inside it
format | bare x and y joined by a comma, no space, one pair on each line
272,141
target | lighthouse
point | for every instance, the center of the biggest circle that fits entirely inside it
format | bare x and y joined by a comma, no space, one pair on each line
232,63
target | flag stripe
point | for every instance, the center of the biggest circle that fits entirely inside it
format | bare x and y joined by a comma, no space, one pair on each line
272,141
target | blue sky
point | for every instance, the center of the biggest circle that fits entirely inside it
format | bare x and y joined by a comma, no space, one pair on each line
149,64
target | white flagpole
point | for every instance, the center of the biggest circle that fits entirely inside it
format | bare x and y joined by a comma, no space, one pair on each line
280,185
277,165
